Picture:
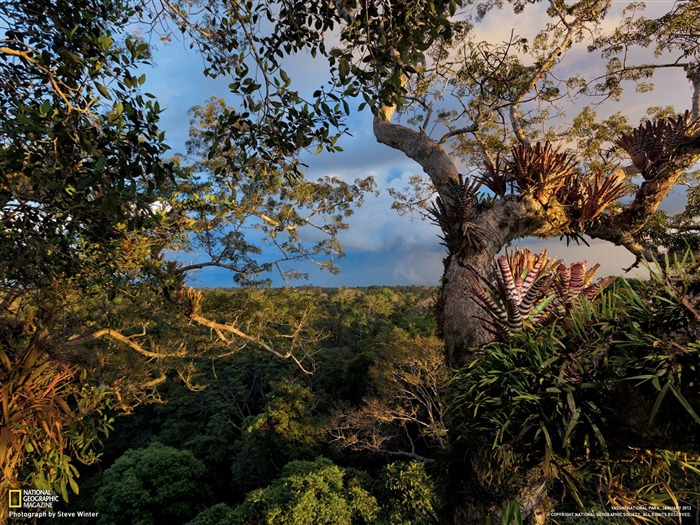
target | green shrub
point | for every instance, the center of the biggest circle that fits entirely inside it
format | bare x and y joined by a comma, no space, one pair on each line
310,493
151,486
408,494
219,514
550,400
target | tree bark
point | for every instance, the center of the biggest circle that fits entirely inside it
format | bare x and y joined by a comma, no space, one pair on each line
462,321
432,156
460,316
693,74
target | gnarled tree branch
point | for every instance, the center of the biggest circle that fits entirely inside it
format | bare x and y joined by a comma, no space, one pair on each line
431,155
192,301
127,340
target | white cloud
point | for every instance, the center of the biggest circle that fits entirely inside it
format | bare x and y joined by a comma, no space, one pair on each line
377,228
420,266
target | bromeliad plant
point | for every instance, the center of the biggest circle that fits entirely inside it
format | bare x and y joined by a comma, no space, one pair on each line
547,402
531,290
653,144
458,220
554,180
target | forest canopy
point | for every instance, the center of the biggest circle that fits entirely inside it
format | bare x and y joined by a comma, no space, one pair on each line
97,318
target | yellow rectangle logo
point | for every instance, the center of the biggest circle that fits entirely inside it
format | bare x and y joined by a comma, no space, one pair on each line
15,497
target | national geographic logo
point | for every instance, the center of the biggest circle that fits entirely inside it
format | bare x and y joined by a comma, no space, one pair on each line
31,499
15,497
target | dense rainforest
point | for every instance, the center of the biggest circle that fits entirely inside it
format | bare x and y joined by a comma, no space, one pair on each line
254,439
523,389
357,431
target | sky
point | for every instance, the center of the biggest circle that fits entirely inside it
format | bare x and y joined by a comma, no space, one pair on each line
382,247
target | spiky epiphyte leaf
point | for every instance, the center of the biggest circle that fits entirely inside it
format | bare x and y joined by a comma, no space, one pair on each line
438,211
457,220
191,300
600,192
573,283
587,195
540,170
495,178
519,294
655,143
464,194
531,290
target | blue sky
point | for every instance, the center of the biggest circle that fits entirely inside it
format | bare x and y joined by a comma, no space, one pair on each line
381,246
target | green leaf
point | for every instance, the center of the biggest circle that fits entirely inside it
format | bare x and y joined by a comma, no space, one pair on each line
683,401
570,427
344,68
45,108
74,485
659,399
106,42
103,90
285,78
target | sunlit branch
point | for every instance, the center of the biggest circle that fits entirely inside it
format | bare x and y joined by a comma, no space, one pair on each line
58,89
455,132
198,266
127,340
186,22
193,300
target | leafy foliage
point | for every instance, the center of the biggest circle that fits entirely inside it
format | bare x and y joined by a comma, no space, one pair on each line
49,416
219,204
310,492
89,206
457,220
251,413
555,399
549,399
219,514
409,494
72,106
150,486
284,431
90,212
539,170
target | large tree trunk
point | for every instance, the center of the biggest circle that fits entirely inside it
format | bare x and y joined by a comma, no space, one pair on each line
458,313
462,321
460,316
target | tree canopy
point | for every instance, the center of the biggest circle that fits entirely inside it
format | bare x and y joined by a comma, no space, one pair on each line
93,298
